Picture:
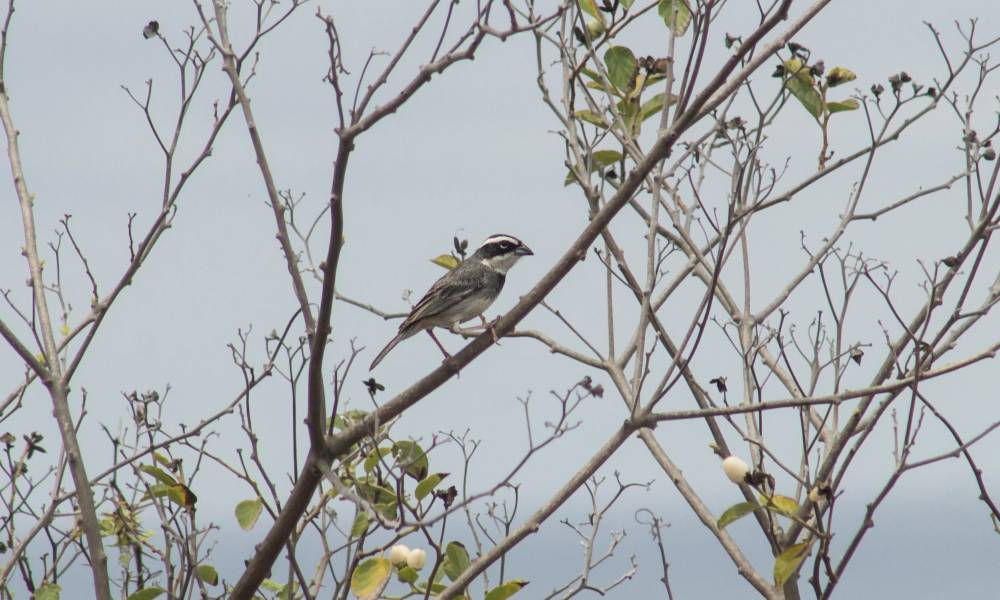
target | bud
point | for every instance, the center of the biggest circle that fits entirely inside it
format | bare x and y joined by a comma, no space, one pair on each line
735,469
416,559
398,554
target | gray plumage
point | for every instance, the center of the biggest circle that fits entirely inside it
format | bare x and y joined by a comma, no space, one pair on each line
463,293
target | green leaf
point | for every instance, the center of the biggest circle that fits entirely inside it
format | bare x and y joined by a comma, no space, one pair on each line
836,107
622,67
596,85
412,458
802,85
604,158
371,577
667,8
375,493
788,561
456,560
207,573
436,588
594,75
273,586
502,592
445,260
179,494
590,117
590,7
407,575
428,484
839,76
360,525
630,111
375,455
147,593
158,474
599,159
782,504
735,513
653,106
388,509
48,591
248,511
627,4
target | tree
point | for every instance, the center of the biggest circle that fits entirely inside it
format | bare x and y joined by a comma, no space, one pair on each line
669,126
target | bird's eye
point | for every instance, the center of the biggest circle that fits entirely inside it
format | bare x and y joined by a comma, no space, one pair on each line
506,245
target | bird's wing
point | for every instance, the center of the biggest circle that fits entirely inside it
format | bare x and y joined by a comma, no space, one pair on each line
446,292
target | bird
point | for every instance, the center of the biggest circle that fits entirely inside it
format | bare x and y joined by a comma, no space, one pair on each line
463,293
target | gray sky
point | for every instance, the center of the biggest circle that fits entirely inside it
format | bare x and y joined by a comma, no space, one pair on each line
472,154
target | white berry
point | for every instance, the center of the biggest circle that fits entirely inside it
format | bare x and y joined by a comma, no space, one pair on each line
416,559
398,554
735,469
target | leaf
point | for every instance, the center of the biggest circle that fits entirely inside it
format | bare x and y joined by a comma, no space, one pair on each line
178,493
735,513
147,593
371,577
247,513
272,586
428,484
502,592
839,75
412,458
788,561
802,85
599,159
388,509
597,85
626,4
48,591
666,8
375,455
630,110
836,107
590,117
158,474
783,504
604,158
436,588
653,106
375,493
360,525
622,67
456,560
207,573
445,260
64,330
590,7
407,575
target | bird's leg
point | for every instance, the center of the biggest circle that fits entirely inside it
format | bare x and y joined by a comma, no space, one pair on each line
491,327
434,337
486,326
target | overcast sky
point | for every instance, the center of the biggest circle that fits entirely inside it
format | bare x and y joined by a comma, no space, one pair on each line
472,154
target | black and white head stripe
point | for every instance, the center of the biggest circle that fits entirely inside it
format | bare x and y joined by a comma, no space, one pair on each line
500,244
502,240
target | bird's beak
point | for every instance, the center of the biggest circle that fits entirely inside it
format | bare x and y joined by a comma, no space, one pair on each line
523,251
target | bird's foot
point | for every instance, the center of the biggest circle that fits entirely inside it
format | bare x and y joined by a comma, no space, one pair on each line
491,327
452,365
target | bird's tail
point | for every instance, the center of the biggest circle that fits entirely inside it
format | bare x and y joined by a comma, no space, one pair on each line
402,335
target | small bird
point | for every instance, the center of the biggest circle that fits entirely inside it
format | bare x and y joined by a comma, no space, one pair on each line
463,293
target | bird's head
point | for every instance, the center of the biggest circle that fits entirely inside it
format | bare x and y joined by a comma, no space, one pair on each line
499,252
